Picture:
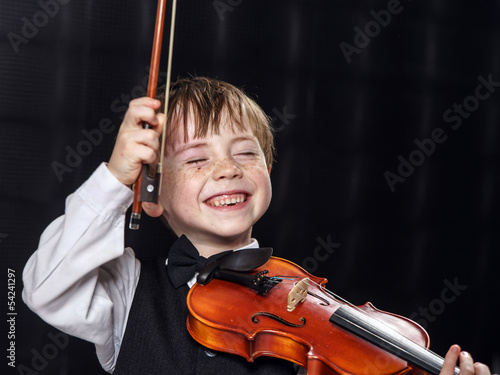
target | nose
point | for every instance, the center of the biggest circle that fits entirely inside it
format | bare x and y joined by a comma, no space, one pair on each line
227,168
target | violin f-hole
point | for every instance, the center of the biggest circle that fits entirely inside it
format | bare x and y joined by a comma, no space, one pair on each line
279,319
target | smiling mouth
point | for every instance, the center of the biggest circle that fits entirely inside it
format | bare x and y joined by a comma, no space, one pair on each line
227,200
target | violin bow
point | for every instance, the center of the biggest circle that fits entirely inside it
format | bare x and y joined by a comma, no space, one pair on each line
147,186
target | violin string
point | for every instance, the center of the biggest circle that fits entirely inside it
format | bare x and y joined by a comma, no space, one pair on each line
335,296
167,86
418,351
394,339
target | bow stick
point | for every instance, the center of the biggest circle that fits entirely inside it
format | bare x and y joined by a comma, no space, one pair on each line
147,186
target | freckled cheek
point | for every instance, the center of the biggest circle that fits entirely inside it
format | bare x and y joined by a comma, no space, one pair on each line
170,184
269,191
255,166
180,185
168,181
196,173
264,182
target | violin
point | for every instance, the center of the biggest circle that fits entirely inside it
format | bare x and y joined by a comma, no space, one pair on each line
280,310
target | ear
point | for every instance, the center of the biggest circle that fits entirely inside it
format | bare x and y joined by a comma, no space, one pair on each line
152,209
269,169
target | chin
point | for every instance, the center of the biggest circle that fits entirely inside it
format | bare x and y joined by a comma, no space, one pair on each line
228,236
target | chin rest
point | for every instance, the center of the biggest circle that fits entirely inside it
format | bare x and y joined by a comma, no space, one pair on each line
237,261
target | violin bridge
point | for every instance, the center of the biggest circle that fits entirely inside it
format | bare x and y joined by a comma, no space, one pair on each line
298,294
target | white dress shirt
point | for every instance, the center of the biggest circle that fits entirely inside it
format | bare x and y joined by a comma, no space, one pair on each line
82,279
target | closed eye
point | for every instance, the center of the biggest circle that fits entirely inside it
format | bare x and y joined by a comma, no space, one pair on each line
247,155
195,161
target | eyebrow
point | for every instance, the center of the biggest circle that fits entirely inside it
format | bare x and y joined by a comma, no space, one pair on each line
191,146
245,138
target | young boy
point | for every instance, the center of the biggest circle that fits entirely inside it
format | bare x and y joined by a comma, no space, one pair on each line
215,187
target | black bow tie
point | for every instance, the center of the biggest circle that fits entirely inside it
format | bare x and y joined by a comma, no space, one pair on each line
184,261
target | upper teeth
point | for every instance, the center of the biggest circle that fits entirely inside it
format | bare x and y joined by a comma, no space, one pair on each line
225,200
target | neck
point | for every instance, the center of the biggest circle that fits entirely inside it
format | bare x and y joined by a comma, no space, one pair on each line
208,247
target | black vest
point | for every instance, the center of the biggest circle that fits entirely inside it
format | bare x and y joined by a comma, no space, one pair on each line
156,339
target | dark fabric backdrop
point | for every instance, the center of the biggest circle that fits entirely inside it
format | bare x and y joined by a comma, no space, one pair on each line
386,115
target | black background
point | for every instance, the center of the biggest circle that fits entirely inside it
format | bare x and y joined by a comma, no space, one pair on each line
342,122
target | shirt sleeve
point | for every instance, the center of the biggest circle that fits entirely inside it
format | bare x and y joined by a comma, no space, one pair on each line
81,279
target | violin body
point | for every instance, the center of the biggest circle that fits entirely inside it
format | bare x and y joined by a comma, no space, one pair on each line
227,317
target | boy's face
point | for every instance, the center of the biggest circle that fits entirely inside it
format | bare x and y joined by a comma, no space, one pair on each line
215,188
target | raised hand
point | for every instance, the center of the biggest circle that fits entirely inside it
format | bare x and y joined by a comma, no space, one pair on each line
135,145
